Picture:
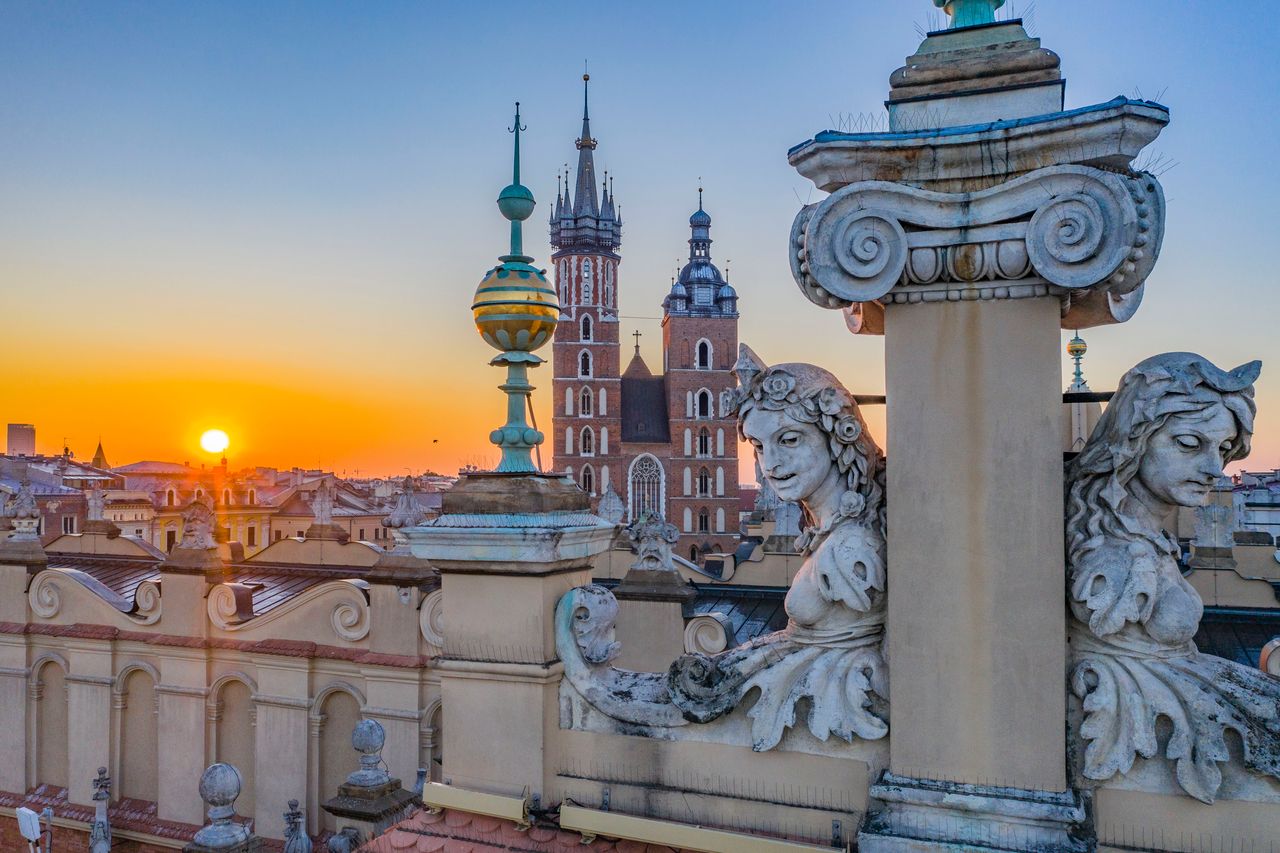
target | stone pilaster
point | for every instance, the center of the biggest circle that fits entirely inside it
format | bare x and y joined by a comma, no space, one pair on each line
507,548
283,749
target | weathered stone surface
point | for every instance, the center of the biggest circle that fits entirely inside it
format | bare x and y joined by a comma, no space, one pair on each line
1175,421
813,448
514,493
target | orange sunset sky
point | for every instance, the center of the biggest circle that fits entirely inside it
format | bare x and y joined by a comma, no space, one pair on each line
272,220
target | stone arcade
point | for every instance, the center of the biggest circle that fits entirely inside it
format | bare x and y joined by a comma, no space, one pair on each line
935,653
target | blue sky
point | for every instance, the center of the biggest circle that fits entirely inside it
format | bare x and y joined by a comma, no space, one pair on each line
299,196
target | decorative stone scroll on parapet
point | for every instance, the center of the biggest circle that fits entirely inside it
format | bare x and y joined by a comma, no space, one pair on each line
1147,699
813,448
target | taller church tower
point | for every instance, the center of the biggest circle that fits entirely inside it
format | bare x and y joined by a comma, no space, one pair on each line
586,233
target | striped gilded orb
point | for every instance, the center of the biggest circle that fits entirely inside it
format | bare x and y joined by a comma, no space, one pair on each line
515,308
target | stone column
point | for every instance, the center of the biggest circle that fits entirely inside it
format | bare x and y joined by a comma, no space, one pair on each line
89,683
19,562
507,548
969,248
284,764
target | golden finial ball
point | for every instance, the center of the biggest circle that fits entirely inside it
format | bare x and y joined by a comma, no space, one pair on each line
1077,347
515,308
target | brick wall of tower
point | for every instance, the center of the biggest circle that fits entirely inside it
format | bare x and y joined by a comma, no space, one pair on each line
685,379
598,302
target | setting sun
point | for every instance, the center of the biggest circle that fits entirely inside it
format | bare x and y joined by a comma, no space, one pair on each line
214,441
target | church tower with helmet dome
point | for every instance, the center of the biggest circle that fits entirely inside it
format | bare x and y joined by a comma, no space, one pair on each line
662,443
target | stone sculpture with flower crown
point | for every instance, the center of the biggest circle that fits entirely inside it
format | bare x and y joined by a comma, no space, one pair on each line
813,448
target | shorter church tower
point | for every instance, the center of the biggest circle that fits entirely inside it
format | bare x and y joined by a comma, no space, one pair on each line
700,344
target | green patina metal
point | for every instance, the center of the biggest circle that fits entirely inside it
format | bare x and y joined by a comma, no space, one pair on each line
969,13
516,318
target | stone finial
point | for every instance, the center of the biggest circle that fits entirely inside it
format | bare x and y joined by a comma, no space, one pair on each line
368,739
97,501
653,538
612,509
24,514
969,13
322,502
197,526
100,832
347,840
296,839
408,512
219,787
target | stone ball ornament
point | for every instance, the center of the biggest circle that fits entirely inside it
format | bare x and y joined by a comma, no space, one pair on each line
368,737
220,786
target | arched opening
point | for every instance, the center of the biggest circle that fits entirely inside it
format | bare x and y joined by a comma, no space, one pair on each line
704,521
253,497
437,751
645,487
704,403
704,442
51,725
235,737
169,498
586,327
704,354
226,497
584,364
586,281
585,400
587,480
587,442
340,712
693,553
139,755
704,482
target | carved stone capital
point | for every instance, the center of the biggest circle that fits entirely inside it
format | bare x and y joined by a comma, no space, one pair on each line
1062,230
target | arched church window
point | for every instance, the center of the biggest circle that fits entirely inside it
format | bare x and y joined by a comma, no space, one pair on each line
584,364
586,327
586,281
587,442
226,497
587,480
704,482
704,442
704,521
584,403
704,404
169,498
644,490
704,354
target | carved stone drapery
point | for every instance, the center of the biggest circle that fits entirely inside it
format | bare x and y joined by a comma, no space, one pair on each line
1068,229
1174,422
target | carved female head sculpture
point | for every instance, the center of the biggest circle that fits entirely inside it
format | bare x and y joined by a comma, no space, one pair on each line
1173,424
810,441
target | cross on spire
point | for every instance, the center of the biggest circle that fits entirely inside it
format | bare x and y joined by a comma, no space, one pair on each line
636,334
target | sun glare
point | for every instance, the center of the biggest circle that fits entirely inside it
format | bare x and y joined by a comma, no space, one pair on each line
214,441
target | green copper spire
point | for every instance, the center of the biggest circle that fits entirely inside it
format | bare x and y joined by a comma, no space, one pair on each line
515,311
969,13
515,201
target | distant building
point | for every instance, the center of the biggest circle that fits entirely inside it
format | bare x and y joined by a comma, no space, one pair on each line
22,440
665,443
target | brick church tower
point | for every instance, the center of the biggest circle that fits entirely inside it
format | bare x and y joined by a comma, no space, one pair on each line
700,345
586,233
662,443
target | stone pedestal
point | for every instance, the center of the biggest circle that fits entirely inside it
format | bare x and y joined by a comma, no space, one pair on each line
371,810
507,548
650,626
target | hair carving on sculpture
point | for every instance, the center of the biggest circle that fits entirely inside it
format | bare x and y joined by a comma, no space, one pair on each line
808,394
1162,387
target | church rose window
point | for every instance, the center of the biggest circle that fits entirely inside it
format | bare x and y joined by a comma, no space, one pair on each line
646,487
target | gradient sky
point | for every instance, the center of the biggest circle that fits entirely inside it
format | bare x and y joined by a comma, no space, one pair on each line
271,218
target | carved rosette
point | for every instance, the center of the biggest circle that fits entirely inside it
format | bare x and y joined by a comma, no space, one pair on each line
431,618
1088,236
